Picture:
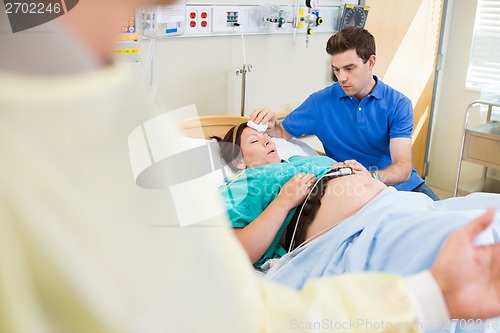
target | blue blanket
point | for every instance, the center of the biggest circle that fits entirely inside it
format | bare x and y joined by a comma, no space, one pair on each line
398,232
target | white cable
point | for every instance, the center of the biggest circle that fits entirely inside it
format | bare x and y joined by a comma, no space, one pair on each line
300,212
304,243
148,66
295,18
243,46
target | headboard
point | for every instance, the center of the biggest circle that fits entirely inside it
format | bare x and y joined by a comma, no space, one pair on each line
206,126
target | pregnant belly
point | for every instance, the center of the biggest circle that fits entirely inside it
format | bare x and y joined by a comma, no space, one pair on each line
343,197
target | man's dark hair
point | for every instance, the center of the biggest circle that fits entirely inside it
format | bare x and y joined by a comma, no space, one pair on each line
352,38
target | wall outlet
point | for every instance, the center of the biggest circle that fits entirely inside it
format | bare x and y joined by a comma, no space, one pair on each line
198,20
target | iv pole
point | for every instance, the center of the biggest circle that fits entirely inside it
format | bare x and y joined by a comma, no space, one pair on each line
243,71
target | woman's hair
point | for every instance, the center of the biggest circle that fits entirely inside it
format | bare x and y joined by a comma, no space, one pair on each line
352,38
229,146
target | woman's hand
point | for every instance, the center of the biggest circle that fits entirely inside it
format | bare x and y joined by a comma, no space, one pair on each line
295,190
259,235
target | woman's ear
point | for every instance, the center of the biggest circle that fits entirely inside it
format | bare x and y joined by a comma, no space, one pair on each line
240,164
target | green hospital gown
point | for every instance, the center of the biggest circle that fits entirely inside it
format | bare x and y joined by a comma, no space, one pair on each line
247,194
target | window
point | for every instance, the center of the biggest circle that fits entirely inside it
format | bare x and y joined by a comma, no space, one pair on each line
484,63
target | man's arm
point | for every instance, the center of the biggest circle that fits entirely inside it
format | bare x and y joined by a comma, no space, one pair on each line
400,169
354,303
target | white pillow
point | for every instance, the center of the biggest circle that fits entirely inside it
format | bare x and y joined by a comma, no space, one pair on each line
286,149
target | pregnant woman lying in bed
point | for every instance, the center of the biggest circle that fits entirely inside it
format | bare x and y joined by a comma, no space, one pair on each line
263,196
364,225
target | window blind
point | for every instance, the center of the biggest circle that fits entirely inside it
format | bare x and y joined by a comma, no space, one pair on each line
484,63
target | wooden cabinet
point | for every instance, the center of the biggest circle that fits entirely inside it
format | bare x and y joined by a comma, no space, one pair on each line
480,145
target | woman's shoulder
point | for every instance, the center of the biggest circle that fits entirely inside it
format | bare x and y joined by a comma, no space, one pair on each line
311,159
311,164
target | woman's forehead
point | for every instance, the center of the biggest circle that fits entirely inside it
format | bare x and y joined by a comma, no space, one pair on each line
248,131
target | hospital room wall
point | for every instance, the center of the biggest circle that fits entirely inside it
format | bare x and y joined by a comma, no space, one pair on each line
202,71
283,71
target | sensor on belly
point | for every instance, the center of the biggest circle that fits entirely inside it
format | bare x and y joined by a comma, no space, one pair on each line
339,172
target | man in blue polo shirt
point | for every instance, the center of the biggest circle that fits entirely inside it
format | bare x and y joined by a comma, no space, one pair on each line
359,119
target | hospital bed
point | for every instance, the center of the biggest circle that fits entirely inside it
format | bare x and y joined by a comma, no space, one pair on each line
206,126
397,232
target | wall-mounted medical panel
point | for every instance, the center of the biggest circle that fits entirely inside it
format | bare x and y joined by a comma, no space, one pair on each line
203,20
260,19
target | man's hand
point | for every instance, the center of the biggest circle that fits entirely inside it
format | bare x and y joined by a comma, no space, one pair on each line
469,275
262,116
357,168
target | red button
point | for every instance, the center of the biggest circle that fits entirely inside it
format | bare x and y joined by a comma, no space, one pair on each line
204,24
192,15
204,15
192,24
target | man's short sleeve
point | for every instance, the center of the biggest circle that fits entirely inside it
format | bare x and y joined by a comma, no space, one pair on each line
401,121
302,120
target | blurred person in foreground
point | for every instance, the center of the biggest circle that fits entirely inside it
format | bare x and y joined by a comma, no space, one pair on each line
78,252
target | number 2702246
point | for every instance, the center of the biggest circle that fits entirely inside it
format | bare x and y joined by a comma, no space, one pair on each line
32,8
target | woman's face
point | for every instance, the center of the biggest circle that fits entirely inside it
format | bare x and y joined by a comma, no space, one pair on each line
257,149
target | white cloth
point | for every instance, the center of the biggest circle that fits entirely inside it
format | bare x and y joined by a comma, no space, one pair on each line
257,127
